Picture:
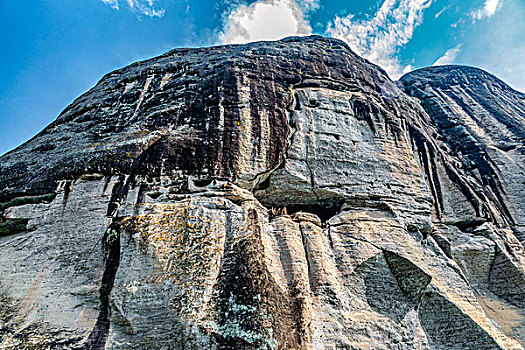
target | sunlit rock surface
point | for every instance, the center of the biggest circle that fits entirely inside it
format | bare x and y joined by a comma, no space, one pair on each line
280,195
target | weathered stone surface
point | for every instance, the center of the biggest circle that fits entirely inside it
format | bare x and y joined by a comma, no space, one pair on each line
477,177
281,195
482,121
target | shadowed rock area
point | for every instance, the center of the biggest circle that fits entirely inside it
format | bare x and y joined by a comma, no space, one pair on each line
274,195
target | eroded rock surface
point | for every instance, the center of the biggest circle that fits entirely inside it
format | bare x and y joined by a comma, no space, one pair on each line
280,195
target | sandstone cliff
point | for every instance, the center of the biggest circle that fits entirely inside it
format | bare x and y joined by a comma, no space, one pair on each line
275,195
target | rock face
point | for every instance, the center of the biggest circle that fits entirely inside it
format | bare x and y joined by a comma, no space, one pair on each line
276,195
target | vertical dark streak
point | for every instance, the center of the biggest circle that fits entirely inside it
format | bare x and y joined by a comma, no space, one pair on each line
110,261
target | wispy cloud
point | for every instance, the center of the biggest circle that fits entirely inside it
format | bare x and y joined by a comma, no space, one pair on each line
380,38
449,56
488,10
498,44
113,3
441,12
140,7
267,20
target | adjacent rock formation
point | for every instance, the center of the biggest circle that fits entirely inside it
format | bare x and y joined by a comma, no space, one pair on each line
275,195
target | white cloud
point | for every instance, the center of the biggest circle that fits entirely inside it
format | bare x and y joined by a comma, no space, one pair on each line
488,10
267,20
441,12
112,3
498,45
457,23
380,38
449,56
140,7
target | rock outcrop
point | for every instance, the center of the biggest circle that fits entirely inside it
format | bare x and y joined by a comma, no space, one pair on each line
275,195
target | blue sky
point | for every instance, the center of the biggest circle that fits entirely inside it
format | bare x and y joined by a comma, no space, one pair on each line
54,50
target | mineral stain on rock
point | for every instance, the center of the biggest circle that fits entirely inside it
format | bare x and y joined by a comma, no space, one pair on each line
274,195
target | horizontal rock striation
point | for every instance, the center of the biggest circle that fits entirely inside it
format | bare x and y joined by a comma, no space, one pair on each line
275,195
